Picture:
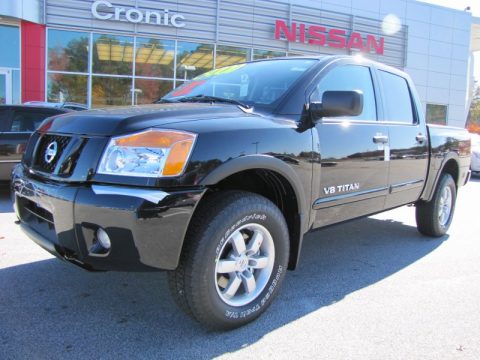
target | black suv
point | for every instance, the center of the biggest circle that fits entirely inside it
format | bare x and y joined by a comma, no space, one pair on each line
17,122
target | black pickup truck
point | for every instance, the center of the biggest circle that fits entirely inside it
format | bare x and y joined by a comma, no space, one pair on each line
219,182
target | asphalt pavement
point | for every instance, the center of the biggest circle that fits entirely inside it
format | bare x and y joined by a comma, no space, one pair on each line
373,288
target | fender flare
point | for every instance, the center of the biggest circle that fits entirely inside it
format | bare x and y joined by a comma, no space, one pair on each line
429,191
266,162
252,162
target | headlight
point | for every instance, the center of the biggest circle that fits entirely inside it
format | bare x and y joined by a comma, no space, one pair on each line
150,153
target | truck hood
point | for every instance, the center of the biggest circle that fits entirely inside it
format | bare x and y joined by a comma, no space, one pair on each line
121,120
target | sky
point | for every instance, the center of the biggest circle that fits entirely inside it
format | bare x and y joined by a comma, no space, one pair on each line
458,4
461,5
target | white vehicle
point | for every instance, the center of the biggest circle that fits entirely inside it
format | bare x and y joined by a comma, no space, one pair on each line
475,165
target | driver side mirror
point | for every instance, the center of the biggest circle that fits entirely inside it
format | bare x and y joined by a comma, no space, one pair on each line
337,103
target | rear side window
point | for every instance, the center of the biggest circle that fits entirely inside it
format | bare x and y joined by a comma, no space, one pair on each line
4,118
347,78
398,102
24,121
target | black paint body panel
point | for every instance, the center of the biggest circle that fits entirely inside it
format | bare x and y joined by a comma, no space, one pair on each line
144,236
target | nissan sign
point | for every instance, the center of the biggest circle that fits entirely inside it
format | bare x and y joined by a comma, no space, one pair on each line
101,10
320,35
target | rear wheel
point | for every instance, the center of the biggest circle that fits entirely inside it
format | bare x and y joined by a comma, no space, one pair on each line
234,260
434,217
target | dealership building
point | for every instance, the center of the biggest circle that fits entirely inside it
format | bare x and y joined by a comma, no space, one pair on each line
123,52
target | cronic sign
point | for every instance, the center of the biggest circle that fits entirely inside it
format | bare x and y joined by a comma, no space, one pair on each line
102,10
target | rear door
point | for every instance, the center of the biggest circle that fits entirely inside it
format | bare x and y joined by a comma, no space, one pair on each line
353,172
407,137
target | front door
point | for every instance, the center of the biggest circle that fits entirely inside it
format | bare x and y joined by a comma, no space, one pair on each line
5,86
352,177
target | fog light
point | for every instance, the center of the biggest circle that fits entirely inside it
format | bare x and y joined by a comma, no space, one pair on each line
103,239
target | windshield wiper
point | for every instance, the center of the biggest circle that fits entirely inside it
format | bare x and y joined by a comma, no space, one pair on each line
209,98
164,101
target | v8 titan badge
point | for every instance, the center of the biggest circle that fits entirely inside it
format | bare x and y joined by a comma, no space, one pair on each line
341,188
51,152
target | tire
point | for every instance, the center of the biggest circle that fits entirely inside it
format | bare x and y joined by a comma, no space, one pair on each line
434,217
233,262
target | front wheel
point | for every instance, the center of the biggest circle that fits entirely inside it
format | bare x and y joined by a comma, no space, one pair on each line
434,217
234,260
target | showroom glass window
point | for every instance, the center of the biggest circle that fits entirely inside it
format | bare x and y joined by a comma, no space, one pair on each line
113,56
67,69
436,114
110,91
149,90
9,37
266,54
230,55
68,51
10,64
98,69
154,58
193,59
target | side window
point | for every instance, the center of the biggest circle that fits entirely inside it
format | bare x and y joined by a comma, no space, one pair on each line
24,121
398,102
350,77
4,119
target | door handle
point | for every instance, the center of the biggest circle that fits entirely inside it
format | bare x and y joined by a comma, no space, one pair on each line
420,138
380,139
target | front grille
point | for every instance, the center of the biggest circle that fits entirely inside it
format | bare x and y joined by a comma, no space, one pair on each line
40,162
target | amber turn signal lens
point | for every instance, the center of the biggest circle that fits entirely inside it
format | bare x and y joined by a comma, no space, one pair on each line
177,158
153,138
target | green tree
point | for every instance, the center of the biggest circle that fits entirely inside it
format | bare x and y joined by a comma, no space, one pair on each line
473,120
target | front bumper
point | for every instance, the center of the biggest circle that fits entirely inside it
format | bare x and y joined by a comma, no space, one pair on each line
146,226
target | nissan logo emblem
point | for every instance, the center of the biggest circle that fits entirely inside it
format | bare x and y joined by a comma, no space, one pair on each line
51,152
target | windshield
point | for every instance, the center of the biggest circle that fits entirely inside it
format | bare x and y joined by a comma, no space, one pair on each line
254,84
